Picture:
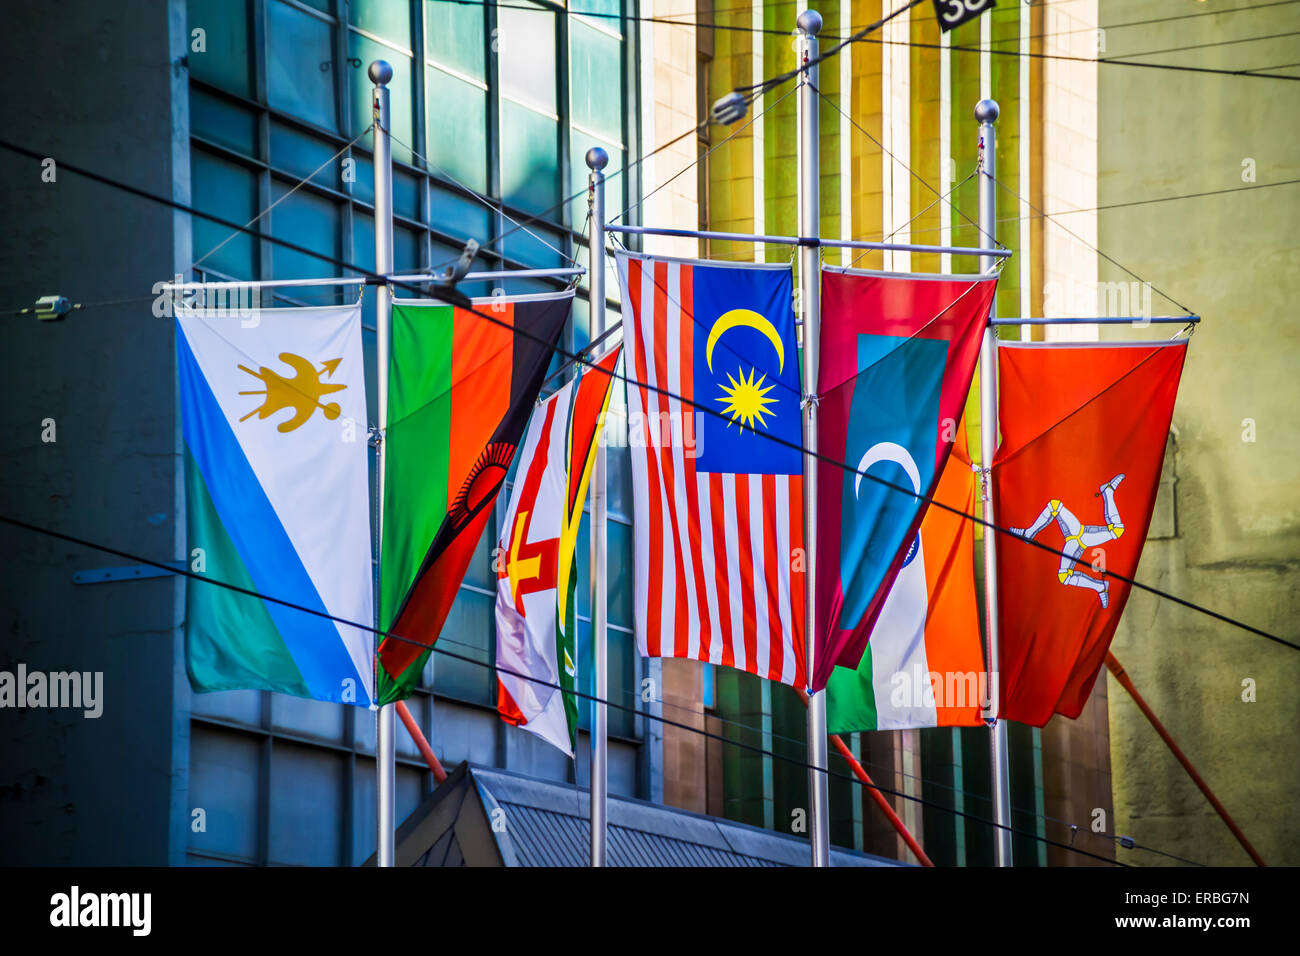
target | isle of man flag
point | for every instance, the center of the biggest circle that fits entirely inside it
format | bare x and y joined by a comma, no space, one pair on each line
536,586
273,408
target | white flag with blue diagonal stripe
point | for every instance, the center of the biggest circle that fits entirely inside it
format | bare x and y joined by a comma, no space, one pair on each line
273,405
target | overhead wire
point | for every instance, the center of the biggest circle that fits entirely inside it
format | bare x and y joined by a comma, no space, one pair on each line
995,11
462,303
387,635
246,229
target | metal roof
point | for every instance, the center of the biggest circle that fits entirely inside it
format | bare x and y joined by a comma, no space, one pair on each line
486,817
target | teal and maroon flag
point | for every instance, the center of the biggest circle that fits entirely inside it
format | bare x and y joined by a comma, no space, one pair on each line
897,356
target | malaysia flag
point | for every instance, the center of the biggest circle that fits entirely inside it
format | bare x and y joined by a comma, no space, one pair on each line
714,425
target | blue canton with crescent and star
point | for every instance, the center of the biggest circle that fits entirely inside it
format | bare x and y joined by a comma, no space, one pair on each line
746,368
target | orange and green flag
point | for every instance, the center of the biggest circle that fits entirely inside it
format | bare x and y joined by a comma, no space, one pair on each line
461,389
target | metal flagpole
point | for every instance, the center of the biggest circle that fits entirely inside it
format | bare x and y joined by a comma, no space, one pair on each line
597,158
385,765
986,111
810,24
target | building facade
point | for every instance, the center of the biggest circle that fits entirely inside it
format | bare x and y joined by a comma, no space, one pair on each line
256,111
1228,509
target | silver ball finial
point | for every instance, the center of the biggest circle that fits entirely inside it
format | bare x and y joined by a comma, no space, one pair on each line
810,22
986,111
597,158
380,72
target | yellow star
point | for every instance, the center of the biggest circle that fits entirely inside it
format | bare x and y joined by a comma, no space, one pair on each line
745,400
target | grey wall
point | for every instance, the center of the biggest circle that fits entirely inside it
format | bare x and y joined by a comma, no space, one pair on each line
90,83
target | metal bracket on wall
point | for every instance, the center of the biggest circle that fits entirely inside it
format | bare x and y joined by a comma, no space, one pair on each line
130,572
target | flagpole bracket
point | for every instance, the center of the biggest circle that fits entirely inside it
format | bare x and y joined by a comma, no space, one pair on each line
374,437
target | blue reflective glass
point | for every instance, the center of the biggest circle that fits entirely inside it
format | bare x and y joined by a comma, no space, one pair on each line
453,36
300,65
456,131
220,121
390,19
457,215
301,154
529,159
229,191
534,246
595,90
224,60
309,221
469,632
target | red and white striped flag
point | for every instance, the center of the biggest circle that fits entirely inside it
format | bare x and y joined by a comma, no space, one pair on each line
718,496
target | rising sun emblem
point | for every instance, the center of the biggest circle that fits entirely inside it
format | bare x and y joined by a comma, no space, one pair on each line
746,400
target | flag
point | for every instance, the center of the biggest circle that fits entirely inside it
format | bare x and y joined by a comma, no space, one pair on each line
924,666
536,584
461,387
273,412
717,495
897,356
1083,441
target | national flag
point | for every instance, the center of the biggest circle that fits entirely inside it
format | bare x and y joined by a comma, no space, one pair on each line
718,495
923,666
536,584
273,412
461,387
1083,441
897,356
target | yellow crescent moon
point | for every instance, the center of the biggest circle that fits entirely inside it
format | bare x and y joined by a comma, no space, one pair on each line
729,320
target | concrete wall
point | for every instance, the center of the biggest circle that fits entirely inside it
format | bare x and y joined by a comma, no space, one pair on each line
1231,498
91,84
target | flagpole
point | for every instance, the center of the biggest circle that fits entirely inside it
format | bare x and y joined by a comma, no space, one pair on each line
810,24
597,158
386,756
986,111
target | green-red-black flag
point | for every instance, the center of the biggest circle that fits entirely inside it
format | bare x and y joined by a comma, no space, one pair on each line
460,391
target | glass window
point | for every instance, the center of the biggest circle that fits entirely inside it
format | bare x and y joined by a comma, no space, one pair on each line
595,88
525,46
406,195
456,131
469,632
309,221
300,65
222,122
458,215
300,154
383,18
453,36
529,159
224,60
534,246
619,568
228,190
604,12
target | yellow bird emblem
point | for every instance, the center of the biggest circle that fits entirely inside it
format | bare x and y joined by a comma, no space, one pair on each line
302,393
